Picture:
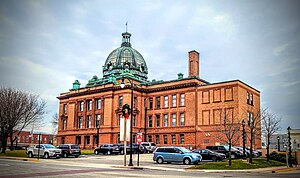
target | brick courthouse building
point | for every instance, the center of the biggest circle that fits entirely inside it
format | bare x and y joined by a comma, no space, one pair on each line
183,111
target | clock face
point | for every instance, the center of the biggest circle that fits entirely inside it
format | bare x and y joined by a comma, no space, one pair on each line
126,66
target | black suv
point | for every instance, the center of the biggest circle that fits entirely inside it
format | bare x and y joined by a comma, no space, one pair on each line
211,155
107,149
135,147
69,150
225,150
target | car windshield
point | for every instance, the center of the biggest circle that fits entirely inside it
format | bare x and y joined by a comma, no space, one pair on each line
49,146
185,150
75,147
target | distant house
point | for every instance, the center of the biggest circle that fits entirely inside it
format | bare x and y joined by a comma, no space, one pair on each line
25,139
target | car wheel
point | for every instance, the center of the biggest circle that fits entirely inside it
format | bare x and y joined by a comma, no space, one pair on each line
65,155
108,152
160,160
76,156
30,155
186,161
46,155
214,159
96,152
122,152
233,156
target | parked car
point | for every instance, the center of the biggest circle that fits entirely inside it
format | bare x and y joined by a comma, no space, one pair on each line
149,146
175,154
43,150
70,150
210,155
235,153
247,150
134,148
107,149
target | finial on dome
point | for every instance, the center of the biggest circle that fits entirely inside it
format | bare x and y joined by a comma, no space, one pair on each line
126,25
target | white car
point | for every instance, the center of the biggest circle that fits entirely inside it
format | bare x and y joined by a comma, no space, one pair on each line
43,150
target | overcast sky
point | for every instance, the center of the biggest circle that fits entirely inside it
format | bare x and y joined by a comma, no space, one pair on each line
46,45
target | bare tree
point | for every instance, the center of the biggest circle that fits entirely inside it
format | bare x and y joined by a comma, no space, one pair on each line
270,125
254,127
230,130
18,110
54,122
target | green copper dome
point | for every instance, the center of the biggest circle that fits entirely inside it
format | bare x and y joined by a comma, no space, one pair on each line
125,59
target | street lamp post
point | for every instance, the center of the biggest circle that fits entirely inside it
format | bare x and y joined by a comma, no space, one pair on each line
244,139
278,143
98,128
289,147
132,88
251,126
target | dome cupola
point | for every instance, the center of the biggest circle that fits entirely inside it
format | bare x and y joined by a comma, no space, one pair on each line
125,60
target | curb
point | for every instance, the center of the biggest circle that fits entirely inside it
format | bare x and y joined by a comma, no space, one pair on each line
129,167
284,170
20,158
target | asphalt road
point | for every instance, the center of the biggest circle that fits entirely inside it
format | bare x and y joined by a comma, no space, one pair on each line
112,166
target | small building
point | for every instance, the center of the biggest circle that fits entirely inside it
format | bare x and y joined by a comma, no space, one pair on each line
26,138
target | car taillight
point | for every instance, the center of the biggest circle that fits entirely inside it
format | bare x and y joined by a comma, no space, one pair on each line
70,150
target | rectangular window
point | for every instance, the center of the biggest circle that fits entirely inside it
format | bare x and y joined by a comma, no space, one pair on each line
65,108
181,99
150,103
173,139
157,139
64,124
27,139
165,139
149,138
120,101
45,140
251,99
87,140
157,120
23,139
89,122
90,105
134,120
173,100
166,101
149,121
81,106
79,122
62,140
98,103
181,138
182,119
134,102
173,120
157,102
98,118
78,140
119,119
165,120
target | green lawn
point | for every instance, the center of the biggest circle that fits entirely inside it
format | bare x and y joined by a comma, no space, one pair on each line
239,164
14,153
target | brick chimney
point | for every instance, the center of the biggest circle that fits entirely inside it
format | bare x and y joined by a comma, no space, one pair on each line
194,64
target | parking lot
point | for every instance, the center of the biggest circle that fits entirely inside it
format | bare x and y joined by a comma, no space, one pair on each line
118,160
